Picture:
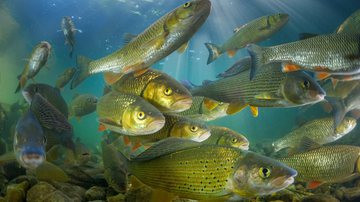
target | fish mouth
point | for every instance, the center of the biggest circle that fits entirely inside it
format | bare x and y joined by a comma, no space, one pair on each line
154,126
283,181
182,105
244,147
32,160
202,137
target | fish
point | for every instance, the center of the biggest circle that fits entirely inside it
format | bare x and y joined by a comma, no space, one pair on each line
204,172
175,126
227,137
238,67
320,131
38,59
69,30
171,32
341,90
326,164
331,53
253,32
29,142
128,114
351,24
342,106
51,94
271,88
158,88
205,109
65,77
82,104
55,125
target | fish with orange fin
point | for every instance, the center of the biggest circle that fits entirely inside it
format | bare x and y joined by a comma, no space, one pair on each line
36,62
171,32
326,164
255,31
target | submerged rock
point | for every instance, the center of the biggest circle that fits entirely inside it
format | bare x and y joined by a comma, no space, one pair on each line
74,192
320,198
95,193
42,191
116,198
351,194
17,192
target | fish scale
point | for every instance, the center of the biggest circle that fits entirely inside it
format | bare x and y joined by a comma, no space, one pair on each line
182,174
325,164
334,52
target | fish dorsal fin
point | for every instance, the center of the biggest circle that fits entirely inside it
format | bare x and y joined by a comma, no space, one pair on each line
128,37
165,147
307,35
183,47
306,144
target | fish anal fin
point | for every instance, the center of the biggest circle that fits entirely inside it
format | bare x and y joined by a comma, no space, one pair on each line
290,67
231,53
111,78
313,185
183,47
161,195
210,104
235,107
306,144
254,111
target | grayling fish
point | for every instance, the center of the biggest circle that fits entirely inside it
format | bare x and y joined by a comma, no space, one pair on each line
239,66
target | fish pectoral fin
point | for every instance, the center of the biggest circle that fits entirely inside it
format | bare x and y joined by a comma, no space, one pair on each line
306,144
231,53
235,107
183,47
111,78
254,111
161,195
267,96
156,42
313,184
210,104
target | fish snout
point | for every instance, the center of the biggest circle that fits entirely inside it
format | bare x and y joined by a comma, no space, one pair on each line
202,137
182,105
32,159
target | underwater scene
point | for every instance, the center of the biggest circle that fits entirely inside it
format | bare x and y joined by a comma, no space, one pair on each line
176,101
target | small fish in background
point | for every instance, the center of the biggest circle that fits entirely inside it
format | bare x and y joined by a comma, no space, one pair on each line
82,104
320,131
227,137
332,54
271,88
29,142
51,94
192,170
171,32
253,32
65,77
128,114
326,164
158,88
205,109
37,60
69,30
175,126
238,67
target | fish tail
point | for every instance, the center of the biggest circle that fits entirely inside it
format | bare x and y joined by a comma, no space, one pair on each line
214,52
22,83
82,72
339,110
257,59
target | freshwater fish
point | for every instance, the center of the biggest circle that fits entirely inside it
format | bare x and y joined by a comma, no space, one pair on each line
332,53
255,31
227,137
171,32
158,88
51,94
82,104
320,131
327,164
271,88
29,141
65,77
205,109
175,126
239,66
38,58
69,30
205,172
128,114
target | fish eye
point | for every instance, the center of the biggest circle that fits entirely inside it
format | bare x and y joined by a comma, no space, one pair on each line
187,4
234,140
141,115
264,172
306,84
168,91
44,140
194,128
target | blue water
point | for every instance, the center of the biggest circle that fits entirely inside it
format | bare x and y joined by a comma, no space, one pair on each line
103,23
